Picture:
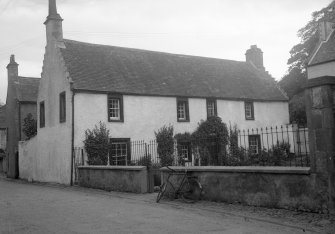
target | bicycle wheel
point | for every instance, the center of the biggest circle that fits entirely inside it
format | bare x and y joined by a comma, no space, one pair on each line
161,192
192,191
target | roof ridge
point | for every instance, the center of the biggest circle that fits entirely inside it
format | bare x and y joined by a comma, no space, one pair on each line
151,51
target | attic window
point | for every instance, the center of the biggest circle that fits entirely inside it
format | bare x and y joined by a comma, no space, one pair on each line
249,110
115,108
211,107
182,110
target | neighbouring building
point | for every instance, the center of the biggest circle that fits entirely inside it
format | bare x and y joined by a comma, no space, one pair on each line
3,138
320,109
21,101
135,92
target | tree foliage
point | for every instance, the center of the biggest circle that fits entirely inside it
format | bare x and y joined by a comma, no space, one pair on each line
29,126
96,144
293,82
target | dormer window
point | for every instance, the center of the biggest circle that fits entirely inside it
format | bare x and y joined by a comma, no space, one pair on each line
182,110
249,110
115,108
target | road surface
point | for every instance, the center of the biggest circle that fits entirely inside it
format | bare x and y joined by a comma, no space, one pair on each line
38,208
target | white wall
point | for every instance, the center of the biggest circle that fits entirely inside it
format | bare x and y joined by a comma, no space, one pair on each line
326,69
47,157
144,115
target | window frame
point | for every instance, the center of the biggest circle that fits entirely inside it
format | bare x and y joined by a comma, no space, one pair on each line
257,137
252,117
62,107
187,115
189,148
120,141
120,99
42,114
208,100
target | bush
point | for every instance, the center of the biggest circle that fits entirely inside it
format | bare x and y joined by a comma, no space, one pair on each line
144,161
165,145
29,126
211,137
96,144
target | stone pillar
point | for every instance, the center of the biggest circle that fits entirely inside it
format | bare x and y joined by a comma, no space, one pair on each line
320,109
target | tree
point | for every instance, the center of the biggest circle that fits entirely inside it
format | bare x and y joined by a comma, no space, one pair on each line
165,145
29,126
293,82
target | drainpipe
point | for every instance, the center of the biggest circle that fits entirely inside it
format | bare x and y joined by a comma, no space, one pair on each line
72,136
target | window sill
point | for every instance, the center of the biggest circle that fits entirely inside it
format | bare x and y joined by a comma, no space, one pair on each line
183,121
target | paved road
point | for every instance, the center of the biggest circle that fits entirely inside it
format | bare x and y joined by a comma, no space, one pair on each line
35,208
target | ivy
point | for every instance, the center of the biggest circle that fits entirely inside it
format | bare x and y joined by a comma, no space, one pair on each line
29,126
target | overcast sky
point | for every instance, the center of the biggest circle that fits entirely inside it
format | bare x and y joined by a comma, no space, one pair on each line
211,28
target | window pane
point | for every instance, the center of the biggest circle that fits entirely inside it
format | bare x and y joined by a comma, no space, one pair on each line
181,110
114,109
118,154
211,108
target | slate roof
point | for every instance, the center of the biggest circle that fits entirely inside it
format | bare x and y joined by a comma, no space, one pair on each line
326,52
27,89
132,71
2,116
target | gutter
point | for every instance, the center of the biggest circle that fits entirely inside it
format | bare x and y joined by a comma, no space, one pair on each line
72,137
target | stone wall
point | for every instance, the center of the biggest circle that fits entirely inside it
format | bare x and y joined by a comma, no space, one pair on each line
114,178
274,187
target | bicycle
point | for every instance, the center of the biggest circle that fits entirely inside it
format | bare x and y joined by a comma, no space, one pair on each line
189,188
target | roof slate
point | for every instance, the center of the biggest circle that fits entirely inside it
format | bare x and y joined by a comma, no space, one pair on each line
133,71
326,52
2,116
27,89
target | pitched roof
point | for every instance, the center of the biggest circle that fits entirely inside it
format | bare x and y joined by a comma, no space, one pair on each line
2,116
27,89
133,71
326,51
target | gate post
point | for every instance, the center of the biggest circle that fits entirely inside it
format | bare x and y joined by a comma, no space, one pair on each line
320,110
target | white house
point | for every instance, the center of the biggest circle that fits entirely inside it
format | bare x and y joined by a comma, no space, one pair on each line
135,92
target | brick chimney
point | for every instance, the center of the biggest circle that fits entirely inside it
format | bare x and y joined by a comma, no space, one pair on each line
254,55
325,29
53,23
12,69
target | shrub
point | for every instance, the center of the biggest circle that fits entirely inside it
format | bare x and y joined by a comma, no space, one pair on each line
211,136
144,161
29,126
96,144
165,145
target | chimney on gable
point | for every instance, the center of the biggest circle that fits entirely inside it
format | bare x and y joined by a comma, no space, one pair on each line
53,23
325,29
12,69
254,55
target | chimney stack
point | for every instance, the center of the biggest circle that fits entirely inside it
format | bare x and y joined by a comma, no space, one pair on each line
12,69
325,29
53,23
254,55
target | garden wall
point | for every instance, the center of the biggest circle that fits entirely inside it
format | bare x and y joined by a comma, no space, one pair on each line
114,178
275,187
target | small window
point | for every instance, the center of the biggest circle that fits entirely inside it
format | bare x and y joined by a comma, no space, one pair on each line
119,152
211,107
42,115
182,110
254,144
115,108
185,150
62,107
249,110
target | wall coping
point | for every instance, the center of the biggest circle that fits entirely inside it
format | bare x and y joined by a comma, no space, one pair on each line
124,168
245,169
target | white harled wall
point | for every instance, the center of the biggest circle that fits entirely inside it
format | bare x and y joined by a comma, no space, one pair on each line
145,114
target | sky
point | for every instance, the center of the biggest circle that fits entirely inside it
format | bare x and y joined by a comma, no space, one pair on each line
212,28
